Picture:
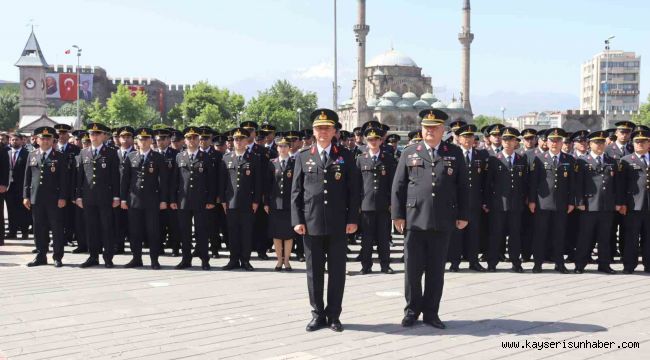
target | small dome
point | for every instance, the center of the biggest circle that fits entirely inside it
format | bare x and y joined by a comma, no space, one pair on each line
421,104
409,96
392,58
378,73
455,105
404,104
391,95
385,103
372,102
428,97
439,105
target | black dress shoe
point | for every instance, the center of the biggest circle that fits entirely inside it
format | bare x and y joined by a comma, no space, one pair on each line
365,271
409,320
358,258
492,268
388,270
89,262
476,267
606,270
184,264
335,325
134,263
262,256
301,258
58,263
628,271
578,270
537,268
176,253
109,264
35,251
316,323
517,268
561,269
453,268
155,265
435,322
205,265
247,266
230,266
25,236
11,236
278,268
79,250
38,260
215,255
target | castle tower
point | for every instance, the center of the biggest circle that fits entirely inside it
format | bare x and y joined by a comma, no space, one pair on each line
361,31
465,37
33,68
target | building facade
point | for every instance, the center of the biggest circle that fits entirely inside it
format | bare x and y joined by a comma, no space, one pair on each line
623,80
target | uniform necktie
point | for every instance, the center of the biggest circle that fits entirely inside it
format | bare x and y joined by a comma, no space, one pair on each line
555,161
431,153
509,161
283,163
324,157
600,162
239,158
191,157
96,151
13,159
645,159
374,159
467,160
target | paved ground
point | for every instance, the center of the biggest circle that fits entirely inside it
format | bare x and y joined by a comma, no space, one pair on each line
72,313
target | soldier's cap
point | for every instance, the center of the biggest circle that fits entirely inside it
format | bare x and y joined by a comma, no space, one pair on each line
527,133
495,129
219,139
484,129
373,133
393,138
467,129
176,135
44,132
249,125
368,124
115,131
455,125
283,140
556,133
642,127
161,133
357,131
338,126
580,135
433,117
240,132
541,134
143,132
62,128
415,135
191,131
79,133
125,130
345,134
385,127
567,139
261,135
307,133
206,132
97,127
625,125
268,128
640,135
324,117
292,135
509,133
597,135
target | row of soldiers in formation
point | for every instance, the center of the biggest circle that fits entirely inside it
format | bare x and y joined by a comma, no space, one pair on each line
212,184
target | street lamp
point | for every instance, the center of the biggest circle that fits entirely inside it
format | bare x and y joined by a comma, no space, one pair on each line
503,114
78,77
606,84
299,110
239,118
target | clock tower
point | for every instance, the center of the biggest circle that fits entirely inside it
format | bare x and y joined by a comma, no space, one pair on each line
33,68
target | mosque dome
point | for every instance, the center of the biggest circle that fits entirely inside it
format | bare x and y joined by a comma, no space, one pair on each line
385,103
439,105
404,104
410,97
421,104
372,102
455,105
428,97
391,95
392,58
377,73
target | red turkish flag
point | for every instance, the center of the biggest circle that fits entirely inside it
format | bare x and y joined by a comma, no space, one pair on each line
68,87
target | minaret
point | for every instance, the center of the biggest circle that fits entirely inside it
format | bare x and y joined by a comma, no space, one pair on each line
361,31
33,68
465,37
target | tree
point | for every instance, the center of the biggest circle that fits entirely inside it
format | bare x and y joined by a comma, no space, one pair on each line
209,105
483,120
70,109
644,114
122,109
9,105
278,105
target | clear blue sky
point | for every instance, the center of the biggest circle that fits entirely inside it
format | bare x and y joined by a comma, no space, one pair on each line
523,48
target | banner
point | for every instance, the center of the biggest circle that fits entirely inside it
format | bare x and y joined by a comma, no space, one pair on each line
68,86
52,85
86,87
135,88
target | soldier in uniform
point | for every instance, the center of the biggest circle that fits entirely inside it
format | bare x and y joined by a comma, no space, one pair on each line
168,224
494,135
98,193
551,198
466,241
596,186
505,199
19,217
120,216
269,139
578,140
144,191
324,208
634,199
429,199
278,203
454,126
194,191
205,145
377,169
70,151
529,137
45,194
243,181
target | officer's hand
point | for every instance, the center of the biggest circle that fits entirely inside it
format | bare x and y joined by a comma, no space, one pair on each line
399,225
163,205
254,208
266,209
61,203
300,229
3,189
209,206
173,206
485,209
461,224
124,206
571,207
225,207
351,228
27,204
623,210
79,203
531,207
581,207
116,203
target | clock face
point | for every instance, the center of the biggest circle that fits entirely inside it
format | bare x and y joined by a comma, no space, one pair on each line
30,83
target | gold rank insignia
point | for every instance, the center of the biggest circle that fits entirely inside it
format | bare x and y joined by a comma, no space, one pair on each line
248,172
289,174
337,176
450,171
151,170
566,174
53,168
